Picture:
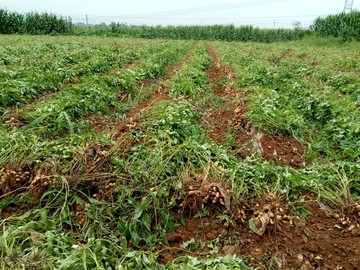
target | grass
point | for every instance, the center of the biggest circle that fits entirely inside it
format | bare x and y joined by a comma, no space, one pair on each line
107,203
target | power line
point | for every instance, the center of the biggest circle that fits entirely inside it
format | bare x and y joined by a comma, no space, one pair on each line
218,7
197,18
172,14
201,21
224,20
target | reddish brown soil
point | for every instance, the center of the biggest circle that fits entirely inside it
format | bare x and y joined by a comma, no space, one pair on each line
133,117
248,141
106,123
224,121
285,151
309,243
101,123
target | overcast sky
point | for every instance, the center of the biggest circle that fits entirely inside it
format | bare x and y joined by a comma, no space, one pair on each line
261,13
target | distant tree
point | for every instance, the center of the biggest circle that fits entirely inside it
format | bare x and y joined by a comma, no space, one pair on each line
297,25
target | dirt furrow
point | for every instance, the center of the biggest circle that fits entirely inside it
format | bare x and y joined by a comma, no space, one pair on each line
132,117
318,241
92,158
248,140
266,231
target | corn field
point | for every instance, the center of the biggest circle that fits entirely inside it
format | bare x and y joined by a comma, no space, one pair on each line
345,25
213,32
33,23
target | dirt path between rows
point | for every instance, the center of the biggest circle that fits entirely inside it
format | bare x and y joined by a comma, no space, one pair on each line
319,241
248,139
93,156
267,232
133,117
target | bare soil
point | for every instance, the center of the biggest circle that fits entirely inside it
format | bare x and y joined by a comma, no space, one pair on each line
264,231
268,233
248,140
92,161
101,123
133,117
314,242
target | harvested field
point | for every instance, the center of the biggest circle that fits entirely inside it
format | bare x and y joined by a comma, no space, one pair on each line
153,154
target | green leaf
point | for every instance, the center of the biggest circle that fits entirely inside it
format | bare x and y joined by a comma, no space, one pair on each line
301,212
146,220
123,228
44,216
135,238
182,221
252,225
35,122
140,208
351,152
124,243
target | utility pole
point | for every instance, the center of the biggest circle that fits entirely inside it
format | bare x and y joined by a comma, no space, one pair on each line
274,24
87,20
348,6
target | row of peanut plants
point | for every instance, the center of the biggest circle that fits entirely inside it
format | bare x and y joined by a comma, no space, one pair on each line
98,93
335,67
284,100
135,215
170,144
26,84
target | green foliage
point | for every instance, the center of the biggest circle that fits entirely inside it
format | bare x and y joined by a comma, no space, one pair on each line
219,263
215,32
175,122
113,206
33,23
98,92
192,81
11,22
301,211
344,25
28,83
23,148
284,100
